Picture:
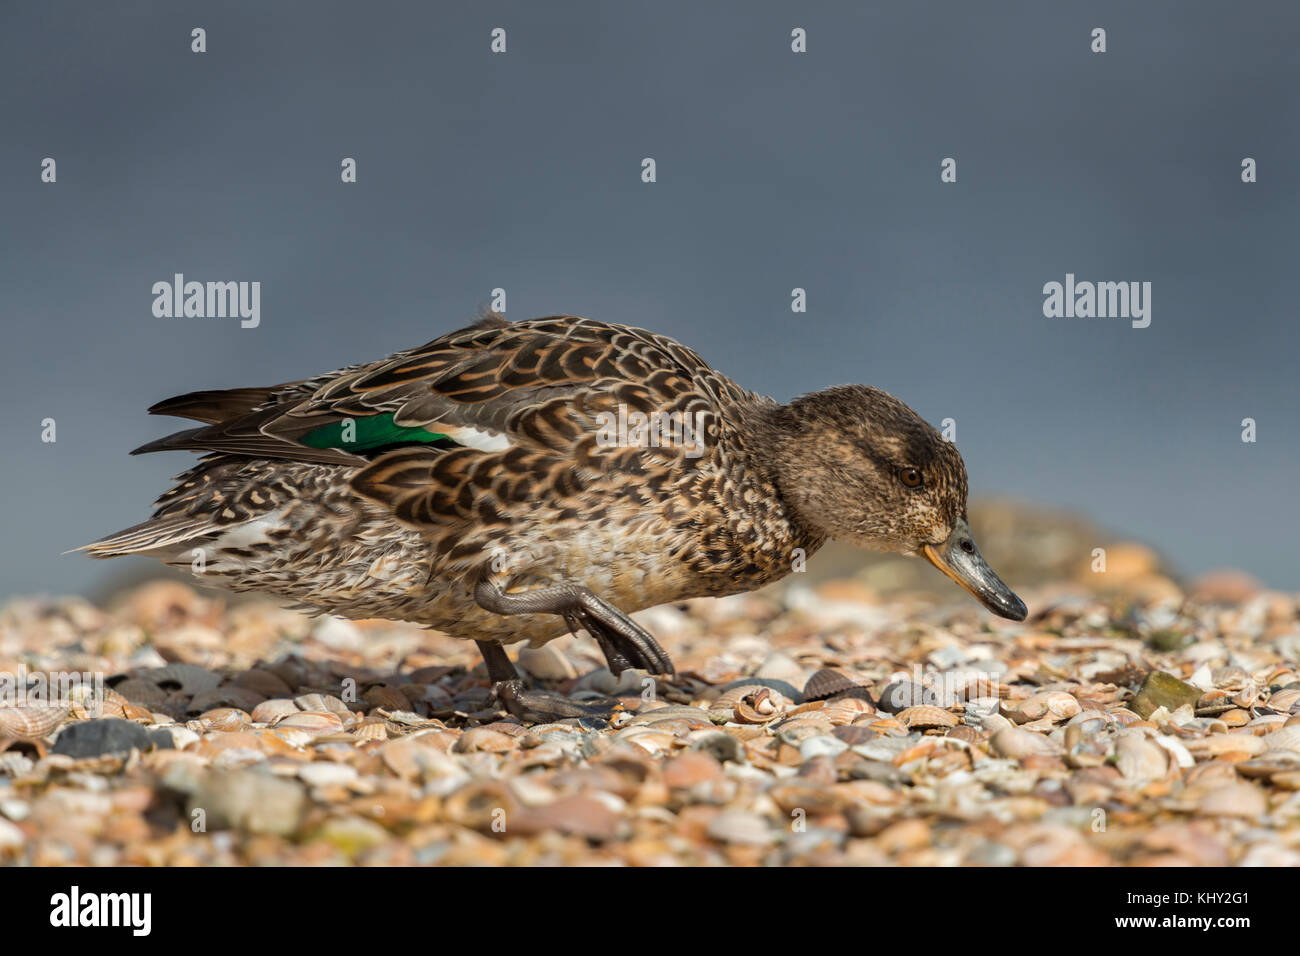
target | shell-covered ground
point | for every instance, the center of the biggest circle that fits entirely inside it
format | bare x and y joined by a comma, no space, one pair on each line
819,723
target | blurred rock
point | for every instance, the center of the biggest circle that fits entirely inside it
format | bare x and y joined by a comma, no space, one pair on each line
95,738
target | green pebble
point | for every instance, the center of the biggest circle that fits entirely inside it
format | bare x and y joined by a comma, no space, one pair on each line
1163,690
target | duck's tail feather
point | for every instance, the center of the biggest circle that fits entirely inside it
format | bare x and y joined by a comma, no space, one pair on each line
215,404
151,535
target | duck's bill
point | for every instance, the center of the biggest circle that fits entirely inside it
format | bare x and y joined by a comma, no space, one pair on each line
961,560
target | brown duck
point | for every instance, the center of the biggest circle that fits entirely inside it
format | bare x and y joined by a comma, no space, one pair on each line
518,481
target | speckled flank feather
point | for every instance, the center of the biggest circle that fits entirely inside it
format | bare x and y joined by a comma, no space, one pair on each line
523,492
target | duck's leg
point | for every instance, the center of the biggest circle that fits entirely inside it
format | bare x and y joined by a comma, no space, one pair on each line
534,706
624,642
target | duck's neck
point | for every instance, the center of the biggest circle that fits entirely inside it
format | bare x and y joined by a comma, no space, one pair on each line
766,443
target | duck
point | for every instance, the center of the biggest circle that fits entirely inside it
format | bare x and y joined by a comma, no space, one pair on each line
513,482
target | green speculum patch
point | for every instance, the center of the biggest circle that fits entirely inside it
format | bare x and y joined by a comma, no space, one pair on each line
369,434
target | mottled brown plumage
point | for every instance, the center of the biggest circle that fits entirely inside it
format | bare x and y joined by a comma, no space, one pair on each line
498,469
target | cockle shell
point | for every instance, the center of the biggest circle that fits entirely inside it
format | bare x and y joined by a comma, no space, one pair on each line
371,730
749,704
189,678
390,698
141,691
1285,701
845,710
1139,759
1286,738
1213,703
32,721
827,683
925,717
274,710
315,722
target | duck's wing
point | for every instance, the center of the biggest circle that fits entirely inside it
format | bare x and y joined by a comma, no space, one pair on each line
511,400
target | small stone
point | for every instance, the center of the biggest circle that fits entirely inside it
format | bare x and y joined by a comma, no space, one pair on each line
1170,640
691,769
339,635
352,834
822,745
1019,744
1287,780
230,695
719,744
482,739
250,801
95,738
902,694
877,770
581,815
1163,690
326,774
546,663
181,736
11,836
742,827
1224,587
1234,800
1139,759
904,835
784,670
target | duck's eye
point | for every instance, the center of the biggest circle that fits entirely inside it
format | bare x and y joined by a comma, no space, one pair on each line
911,477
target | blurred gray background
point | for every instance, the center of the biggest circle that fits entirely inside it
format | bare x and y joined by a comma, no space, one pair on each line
775,170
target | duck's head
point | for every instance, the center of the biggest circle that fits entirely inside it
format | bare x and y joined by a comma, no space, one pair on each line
857,464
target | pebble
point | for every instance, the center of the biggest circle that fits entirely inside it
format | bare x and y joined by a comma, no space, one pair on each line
16,810
1234,800
900,695
273,711
338,634
720,745
691,769
822,745
248,800
1163,690
483,739
96,738
1019,744
546,663
738,826
765,747
11,836
1139,759
323,774
351,835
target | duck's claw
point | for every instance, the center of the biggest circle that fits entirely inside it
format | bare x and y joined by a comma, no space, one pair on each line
624,643
538,706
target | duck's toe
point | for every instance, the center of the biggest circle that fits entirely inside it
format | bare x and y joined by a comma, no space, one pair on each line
539,706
